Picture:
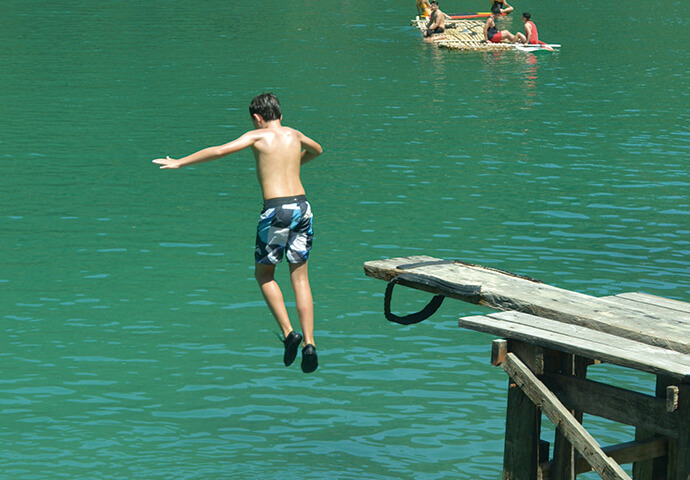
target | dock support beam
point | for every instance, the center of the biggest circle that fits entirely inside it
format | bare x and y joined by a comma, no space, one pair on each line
523,422
564,453
679,449
544,399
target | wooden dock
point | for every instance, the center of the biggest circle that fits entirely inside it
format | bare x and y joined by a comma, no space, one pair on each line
462,35
548,337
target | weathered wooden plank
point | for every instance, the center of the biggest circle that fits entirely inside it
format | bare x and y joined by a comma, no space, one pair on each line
582,341
644,300
505,291
541,396
614,403
610,348
387,270
632,451
622,453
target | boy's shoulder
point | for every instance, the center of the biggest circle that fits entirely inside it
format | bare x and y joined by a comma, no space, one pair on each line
271,131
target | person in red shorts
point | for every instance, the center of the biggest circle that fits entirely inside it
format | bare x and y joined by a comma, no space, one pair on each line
492,33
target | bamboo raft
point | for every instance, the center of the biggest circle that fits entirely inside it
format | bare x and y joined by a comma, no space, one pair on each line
462,35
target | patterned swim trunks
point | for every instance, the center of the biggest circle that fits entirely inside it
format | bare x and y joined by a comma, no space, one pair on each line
285,226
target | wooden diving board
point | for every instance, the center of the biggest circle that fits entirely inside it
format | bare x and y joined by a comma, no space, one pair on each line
643,318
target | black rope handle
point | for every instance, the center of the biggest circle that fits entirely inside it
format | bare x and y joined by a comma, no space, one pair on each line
411,318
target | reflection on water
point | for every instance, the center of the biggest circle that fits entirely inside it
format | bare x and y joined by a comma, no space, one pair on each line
530,81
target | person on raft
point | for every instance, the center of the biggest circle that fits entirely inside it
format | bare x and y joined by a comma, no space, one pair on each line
531,35
492,33
423,8
503,5
437,21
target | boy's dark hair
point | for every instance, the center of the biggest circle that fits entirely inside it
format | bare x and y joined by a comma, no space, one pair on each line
266,105
527,15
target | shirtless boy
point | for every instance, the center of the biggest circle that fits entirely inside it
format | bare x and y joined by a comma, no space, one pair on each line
437,20
285,225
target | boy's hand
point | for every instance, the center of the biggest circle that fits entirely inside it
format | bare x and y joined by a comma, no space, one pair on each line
166,162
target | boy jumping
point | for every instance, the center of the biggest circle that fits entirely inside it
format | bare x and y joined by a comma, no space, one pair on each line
285,225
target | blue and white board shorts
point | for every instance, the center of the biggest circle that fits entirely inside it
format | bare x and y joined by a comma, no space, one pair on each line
285,226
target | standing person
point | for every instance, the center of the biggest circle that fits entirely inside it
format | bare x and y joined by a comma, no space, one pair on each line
423,8
531,35
503,5
492,33
437,21
285,225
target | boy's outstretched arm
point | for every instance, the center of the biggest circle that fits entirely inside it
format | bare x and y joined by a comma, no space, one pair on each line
311,149
209,153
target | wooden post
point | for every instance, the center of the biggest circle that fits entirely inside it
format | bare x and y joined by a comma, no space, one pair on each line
656,468
563,451
564,455
523,423
540,395
679,449
499,349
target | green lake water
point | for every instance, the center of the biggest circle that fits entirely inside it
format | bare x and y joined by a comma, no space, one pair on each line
134,341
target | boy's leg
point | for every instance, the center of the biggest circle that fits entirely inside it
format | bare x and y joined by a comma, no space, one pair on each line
305,309
273,295
299,278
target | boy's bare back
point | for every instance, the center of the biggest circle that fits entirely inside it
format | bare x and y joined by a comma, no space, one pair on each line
278,154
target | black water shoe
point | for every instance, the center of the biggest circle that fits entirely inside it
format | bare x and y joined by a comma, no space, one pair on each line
310,361
291,343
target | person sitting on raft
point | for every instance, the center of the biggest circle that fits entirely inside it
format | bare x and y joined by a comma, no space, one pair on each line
503,5
423,8
531,35
492,33
437,21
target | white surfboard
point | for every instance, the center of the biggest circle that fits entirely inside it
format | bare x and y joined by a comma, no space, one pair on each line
543,47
